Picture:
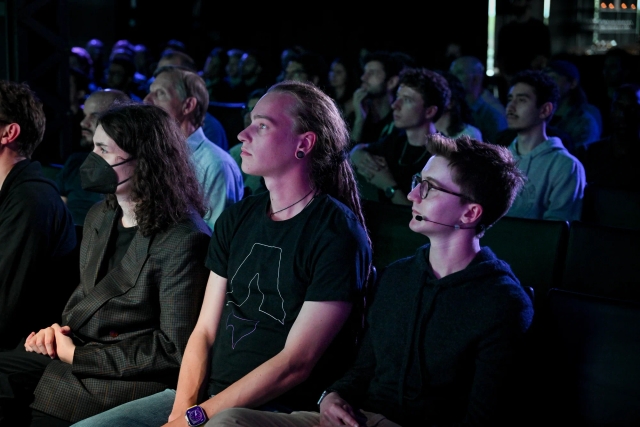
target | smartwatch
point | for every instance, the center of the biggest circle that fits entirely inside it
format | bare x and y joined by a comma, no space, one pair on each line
390,191
196,416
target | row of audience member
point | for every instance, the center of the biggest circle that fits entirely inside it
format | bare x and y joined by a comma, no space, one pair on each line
278,309
369,113
241,71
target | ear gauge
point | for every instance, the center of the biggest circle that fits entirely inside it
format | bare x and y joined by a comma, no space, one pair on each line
299,154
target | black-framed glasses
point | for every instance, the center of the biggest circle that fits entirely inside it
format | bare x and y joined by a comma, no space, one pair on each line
426,186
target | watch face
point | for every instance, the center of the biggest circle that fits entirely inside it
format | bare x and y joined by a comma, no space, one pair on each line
196,416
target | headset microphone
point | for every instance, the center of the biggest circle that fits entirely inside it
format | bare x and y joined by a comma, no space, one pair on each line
421,218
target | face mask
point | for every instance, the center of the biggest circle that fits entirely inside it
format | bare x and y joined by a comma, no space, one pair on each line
98,176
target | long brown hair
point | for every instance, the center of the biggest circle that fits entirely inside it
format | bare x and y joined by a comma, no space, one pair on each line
331,170
165,189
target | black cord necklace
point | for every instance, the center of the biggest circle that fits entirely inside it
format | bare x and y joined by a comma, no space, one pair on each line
305,196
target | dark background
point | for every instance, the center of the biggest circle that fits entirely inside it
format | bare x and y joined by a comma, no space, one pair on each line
328,28
36,36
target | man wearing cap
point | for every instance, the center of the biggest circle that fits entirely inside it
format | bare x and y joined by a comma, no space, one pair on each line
574,115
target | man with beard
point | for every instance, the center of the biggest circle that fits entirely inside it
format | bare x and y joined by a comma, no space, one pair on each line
385,167
68,180
555,179
372,100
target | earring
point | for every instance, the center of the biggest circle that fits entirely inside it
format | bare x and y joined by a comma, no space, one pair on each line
299,154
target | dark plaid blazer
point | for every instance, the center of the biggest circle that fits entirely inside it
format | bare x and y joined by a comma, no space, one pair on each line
131,327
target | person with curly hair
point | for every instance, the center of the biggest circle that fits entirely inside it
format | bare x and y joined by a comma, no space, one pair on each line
124,329
282,313
456,119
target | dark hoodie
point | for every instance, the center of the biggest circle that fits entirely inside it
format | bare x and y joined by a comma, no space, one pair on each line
441,352
37,235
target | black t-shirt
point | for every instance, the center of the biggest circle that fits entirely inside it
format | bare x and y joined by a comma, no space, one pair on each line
272,268
117,247
374,131
404,159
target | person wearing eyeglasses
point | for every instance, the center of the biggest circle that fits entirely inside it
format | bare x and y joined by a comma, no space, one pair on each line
447,325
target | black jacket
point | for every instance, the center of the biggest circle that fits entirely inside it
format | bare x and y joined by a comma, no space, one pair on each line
36,235
440,351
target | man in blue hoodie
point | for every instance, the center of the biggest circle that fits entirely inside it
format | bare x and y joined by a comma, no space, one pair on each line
555,179
446,326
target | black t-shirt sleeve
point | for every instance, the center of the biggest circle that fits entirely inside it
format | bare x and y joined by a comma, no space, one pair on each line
217,258
341,255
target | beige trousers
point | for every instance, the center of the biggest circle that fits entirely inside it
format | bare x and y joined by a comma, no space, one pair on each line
254,418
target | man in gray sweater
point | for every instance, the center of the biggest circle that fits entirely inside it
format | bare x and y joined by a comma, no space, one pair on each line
555,179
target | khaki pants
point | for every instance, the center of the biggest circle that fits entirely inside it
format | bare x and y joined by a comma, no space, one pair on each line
251,417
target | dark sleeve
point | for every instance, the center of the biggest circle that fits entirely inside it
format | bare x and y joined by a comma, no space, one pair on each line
498,361
179,274
35,227
219,249
60,180
353,385
377,148
341,260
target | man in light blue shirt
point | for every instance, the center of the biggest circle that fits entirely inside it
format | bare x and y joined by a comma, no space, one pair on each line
183,94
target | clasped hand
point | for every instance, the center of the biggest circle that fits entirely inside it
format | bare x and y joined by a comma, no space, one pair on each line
335,411
374,169
54,341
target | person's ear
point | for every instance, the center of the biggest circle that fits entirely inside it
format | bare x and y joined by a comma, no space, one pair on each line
430,112
392,83
189,105
306,142
9,133
472,214
546,110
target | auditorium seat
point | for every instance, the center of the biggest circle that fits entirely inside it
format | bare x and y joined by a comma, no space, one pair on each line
389,230
594,376
535,250
612,207
230,115
601,260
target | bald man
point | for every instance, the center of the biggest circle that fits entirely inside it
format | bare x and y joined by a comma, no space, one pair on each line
487,112
68,180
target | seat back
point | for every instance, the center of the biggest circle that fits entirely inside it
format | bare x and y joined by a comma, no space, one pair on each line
389,230
601,260
595,374
230,115
611,206
535,250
